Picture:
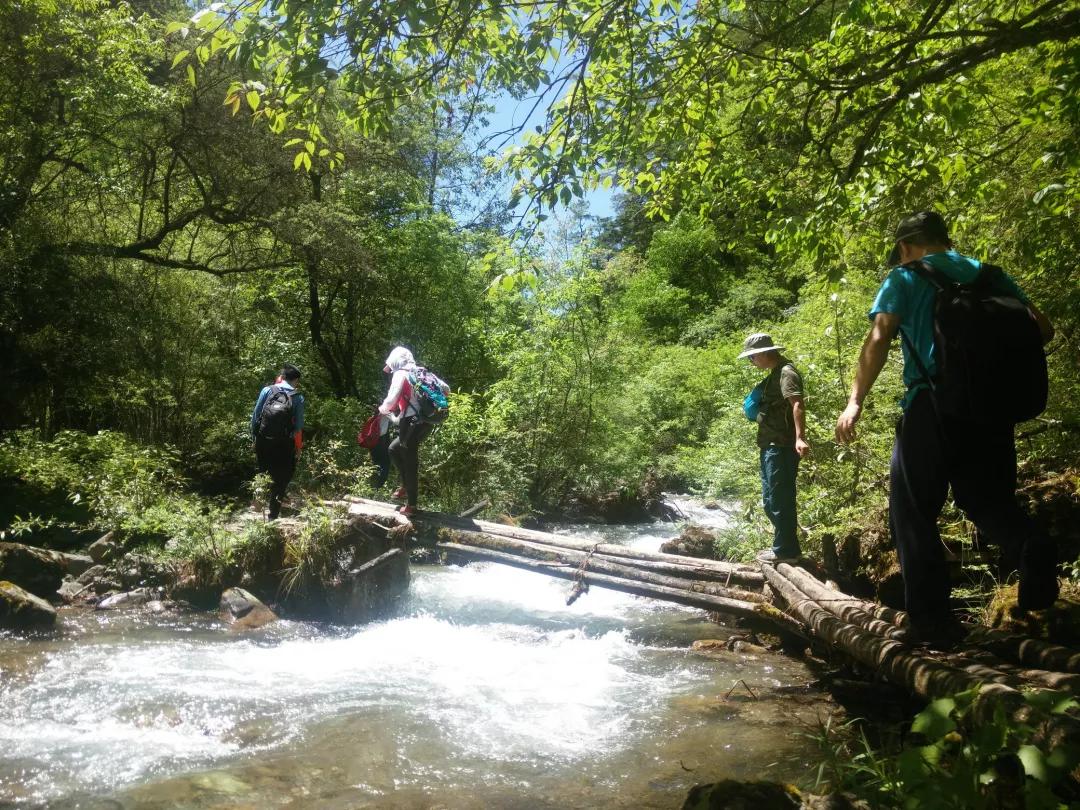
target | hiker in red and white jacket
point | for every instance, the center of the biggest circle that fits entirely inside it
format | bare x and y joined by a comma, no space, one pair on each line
403,407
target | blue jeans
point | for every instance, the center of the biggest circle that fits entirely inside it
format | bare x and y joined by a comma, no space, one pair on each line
779,466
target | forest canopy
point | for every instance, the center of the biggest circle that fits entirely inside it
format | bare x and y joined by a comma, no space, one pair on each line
190,197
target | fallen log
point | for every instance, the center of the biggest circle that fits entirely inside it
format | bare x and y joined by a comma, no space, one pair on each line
624,568
923,675
694,566
760,615
1031,652
849,608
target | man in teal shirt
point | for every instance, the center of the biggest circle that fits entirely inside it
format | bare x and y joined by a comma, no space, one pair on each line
932,453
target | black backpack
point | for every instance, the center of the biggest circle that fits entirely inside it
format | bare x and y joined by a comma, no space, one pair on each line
276,417
991,367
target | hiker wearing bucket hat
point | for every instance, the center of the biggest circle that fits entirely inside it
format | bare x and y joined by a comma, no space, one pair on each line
781,441
935,448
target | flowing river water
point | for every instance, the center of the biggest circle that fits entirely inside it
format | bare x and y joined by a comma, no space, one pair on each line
483,690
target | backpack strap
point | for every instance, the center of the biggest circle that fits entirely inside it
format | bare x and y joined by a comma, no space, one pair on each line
939,282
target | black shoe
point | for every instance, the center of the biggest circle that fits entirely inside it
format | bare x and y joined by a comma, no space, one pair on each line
942,635
1040,594
772,558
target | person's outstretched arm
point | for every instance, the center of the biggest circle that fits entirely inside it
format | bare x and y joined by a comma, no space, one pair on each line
798,414
875,350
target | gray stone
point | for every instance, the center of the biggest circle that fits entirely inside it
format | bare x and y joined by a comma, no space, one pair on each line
105,548
72,589
77,564
139,596
242,609
695,541
136,569
20,609
91,574
33,569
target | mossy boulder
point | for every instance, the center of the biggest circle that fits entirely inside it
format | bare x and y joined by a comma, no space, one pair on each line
21,610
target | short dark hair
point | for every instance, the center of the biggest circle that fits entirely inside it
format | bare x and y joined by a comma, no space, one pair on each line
922,229
290,372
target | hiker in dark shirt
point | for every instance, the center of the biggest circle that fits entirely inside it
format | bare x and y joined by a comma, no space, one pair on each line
277,427
934,450
782,442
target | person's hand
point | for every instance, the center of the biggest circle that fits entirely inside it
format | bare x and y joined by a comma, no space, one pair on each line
298,452
802,447
845,424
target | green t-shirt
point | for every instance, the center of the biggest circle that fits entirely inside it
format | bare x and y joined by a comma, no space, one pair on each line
776,423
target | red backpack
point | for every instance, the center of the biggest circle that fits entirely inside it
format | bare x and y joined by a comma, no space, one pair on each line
370,434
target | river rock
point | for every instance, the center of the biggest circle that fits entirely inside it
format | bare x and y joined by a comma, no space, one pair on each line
20,609
77,564
34,569
139,596
90,574
105,548
242,609
71,589
733,795
693,542
139,570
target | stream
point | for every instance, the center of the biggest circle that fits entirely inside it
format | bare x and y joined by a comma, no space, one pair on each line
483,690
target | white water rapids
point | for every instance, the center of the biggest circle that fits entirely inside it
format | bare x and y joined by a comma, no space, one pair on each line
484,690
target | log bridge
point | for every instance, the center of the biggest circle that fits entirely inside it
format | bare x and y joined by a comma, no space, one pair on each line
785,600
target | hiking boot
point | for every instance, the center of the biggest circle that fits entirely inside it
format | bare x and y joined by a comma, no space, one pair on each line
407,510
399,494
1036,593
770,557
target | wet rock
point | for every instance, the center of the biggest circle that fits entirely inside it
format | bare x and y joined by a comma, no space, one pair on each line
77,564
693,542
72,589
90,574
243,610
733,795
139,596
106,548
33,569
20,609
138,570
710,645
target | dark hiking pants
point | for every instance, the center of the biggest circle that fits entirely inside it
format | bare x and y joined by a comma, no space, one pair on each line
979,461
405,452
380,457
779,466
276,457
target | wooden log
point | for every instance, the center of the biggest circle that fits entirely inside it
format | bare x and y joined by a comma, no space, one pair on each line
1031,652
898,663
378,562
738,572
759,615
1062,681
592,562
840,604
922,674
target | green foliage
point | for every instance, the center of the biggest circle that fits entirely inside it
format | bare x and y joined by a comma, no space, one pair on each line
310,553
953,760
